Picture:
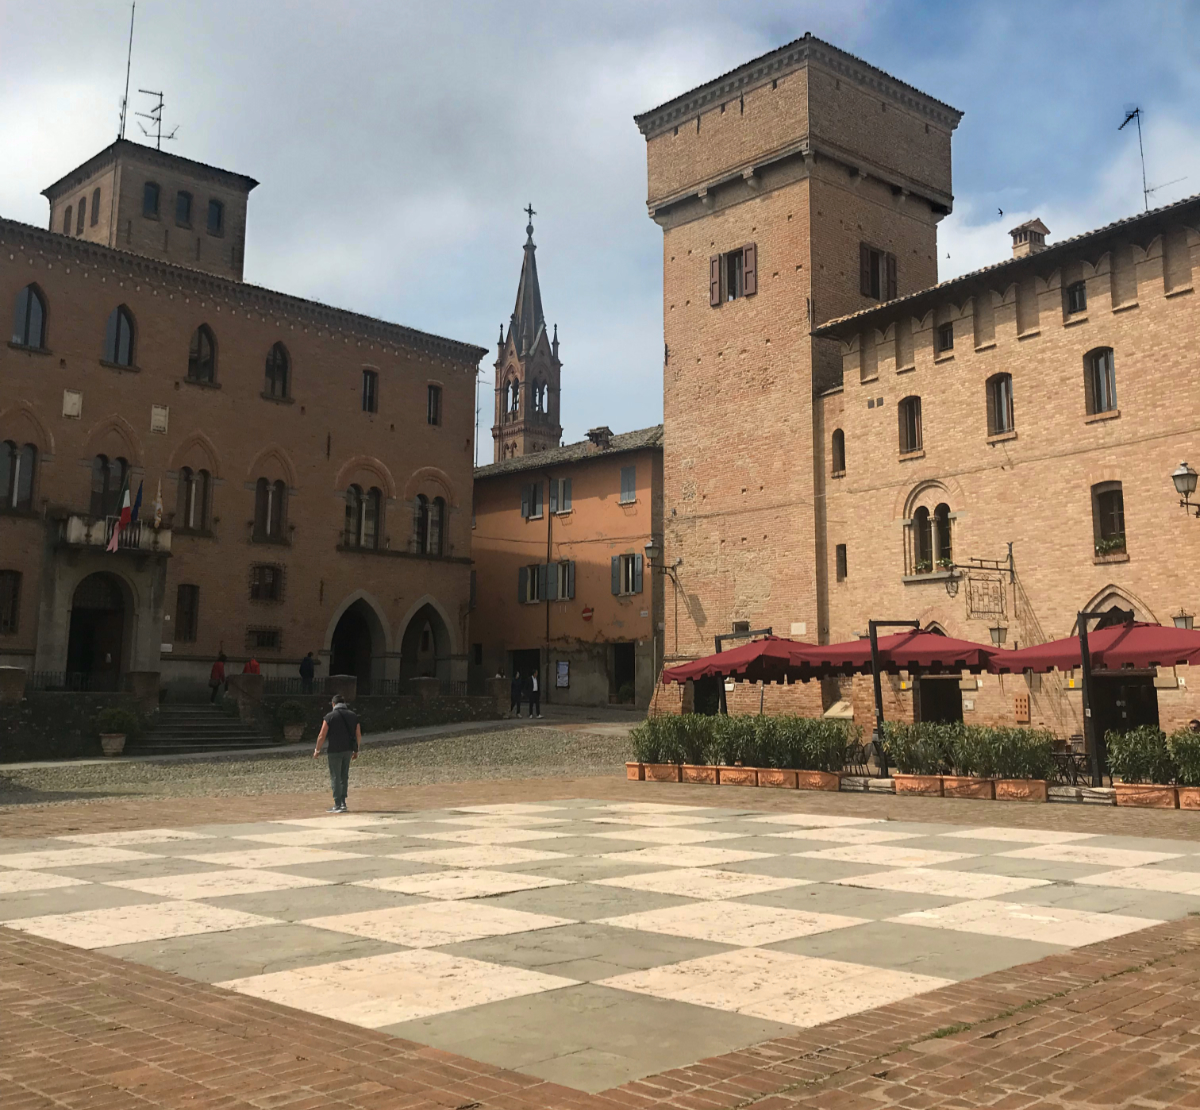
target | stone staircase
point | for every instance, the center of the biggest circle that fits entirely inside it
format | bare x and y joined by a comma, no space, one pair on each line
198,728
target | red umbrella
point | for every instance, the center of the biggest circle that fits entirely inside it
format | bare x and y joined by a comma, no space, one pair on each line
1135,644
914,651
765,660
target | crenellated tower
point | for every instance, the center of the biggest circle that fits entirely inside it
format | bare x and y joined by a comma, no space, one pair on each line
527,370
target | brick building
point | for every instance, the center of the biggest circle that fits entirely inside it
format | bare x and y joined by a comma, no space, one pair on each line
563,585
846,439
314,464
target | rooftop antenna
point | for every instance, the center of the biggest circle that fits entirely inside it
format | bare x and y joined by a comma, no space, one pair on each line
155,118
1135,113
128,63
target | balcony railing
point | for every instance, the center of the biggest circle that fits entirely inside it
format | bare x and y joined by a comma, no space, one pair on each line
79,530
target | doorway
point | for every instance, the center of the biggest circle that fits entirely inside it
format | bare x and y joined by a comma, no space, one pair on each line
97,634
528,661
425,646
624,673
351,649
939,698
1122,702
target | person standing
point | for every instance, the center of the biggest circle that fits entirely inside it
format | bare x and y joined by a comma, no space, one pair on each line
535,696
514,694
343,734
216,677
251,666
307,666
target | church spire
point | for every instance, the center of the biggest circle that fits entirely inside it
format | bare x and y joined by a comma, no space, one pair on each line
528,320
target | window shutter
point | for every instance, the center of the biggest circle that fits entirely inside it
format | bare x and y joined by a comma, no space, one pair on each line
571,580
714,280
522,584
535,499
525,502
551,593
566,503
542,579
891,277
749,269
554,495
993,412
864,269
637,574
616,574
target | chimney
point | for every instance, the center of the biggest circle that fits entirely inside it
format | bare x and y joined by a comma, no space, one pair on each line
601,438
1029,238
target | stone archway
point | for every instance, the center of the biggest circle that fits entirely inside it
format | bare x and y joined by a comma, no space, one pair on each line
99,629
426,646
358,645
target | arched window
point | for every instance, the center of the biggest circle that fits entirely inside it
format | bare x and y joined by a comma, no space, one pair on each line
278,372
183,209
353,526
95,206
18,465
150,200
839,452
108,476
81,215
437,516
1108,518
372,505
910,425
29,320
192,511
67,220
420,524
202,355
118,337
999,404
943,549
362,517
514,399
216,217
1100,380
270,510
922,541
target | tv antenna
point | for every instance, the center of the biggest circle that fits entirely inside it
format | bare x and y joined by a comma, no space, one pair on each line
155,118
128,63
1135,113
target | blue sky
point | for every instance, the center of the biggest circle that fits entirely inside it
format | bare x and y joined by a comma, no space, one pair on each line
398,142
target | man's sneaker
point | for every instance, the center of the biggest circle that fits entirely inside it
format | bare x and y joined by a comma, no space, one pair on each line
334,809
342,808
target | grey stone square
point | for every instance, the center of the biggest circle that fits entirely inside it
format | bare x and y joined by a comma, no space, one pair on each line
586,901
352,870
798,867
1106,899
69,899
849,901
1022,868
313,901
582,869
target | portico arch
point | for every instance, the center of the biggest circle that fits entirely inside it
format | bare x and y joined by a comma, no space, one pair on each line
357,641
426,641
1115,597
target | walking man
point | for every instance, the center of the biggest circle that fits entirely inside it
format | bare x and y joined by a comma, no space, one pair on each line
343,733
307,665
514,694
535,696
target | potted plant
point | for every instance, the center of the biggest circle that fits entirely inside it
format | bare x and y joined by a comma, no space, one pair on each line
292,718
1111,545
115,726
812,750
1184,749
971,759
1143,761
923,566
1023,762
653,750
735,750
945,563
917,752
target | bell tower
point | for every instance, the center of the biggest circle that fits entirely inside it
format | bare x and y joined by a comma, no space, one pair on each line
527,370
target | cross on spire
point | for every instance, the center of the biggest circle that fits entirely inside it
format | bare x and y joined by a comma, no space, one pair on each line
529,211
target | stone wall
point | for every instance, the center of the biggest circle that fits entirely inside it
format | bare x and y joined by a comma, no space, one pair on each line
49,725
383,714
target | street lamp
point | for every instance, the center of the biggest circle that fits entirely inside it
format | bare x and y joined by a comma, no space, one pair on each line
1184,478
999,634
653,552
1182,619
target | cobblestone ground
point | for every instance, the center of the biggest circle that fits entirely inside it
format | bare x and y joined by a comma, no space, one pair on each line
474,756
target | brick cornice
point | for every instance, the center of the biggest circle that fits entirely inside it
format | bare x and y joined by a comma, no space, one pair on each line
16,236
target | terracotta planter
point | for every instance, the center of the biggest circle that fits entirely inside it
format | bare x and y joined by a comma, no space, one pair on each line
966,786
737,776
930,785
113,743
293,733
1189,797
1146,795
701,773
770,776
662,772
635,772
818,780
1021,790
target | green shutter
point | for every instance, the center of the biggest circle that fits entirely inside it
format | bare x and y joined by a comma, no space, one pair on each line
566,505
522,584
616,574
551,593
637,574
525,502
571,579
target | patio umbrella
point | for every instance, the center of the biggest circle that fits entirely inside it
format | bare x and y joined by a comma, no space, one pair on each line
914,651
766,660
1133,644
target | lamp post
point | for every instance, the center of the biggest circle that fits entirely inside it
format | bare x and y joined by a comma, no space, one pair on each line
1184,478
999,634
654,553
1183,619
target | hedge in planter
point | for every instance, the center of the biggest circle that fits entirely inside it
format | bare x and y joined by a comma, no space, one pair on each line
116,721
937,748
787,742
1141,755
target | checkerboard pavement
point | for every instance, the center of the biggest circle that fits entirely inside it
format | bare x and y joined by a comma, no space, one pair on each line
590,943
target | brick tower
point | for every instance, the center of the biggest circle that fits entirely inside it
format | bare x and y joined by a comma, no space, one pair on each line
801,186
527,370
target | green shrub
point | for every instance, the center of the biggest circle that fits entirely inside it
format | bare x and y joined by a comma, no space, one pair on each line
625,693
1140,755
673,739
973,752
805,743
115,720
936,748
1021,753
291,713
735,740
920,748
1184,749
789,742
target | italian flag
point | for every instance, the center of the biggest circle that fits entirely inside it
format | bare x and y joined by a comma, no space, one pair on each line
126,514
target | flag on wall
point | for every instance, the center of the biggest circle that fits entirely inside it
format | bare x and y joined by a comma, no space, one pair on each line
137,506
122,520
158,506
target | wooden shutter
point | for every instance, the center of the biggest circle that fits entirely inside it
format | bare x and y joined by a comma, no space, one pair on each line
616,574
714,280
891,277
749,270
637,574
566,501
522,584
554,495
571,580
551,591
542,579
864,269
525,502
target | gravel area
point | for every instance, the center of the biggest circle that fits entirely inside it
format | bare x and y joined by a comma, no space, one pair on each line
465,757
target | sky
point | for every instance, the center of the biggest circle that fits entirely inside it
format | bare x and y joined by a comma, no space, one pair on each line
397,142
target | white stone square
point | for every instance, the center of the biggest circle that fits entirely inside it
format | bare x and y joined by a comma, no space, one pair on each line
948,884
672,835
263,859
814,820
398,986
217,884
500,820
738,923
777,986
685,855
1147,878
1046,924
651,807
702,882
18,882
349,821
1020,836
135,836
887,855
108,928
510,807
483,855
1090,853
432,924
502,835
303,838
652,820
457,885
51,858
846,835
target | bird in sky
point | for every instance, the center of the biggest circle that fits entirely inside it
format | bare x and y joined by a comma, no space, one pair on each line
1001,211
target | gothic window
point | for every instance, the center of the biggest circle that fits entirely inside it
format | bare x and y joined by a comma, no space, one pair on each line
1100,380
270,511
362,517
420,524
437,515
910,425
67,221
108,476
191,514
922,542
81,215
1108,518
17,468
943,552
839,452
29,320
514,399
183,209
370,391
278,372
202,355
118,337
999,404
433,405
216,217
150,200
95,206
930,539
840,567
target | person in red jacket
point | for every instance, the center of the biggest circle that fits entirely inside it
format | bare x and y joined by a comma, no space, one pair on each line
251,666
216,678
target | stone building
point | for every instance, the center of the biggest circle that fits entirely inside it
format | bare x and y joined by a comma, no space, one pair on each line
844,439
314,464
